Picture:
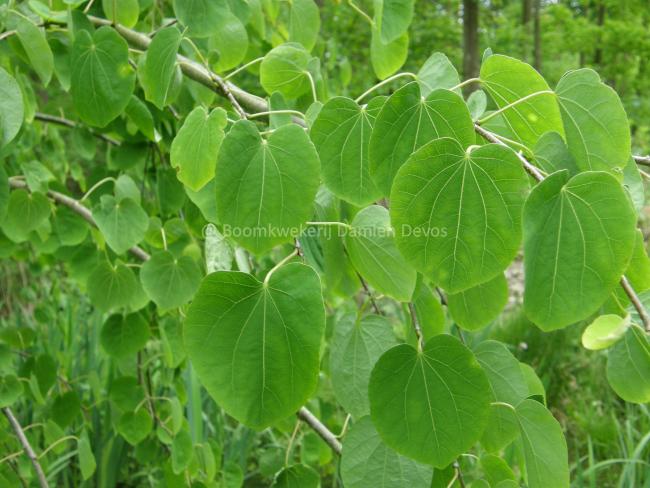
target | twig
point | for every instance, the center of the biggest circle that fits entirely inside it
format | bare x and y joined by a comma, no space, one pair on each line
53,119
459,474
416,325
7,34
26,447
636,301
325,434
644,160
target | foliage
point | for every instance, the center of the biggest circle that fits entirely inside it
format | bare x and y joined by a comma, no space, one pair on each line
220,269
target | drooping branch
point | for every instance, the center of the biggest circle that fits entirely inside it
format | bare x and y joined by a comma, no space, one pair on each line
535,173
328,436
53,119
20,433
308,417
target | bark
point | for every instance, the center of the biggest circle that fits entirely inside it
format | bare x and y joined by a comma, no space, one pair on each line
471,55
537,34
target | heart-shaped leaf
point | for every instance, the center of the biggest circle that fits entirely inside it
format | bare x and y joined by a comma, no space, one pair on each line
285,70
201,17
11,108
297,476
135,426
578,239
478,306
431,405
122,222
457,213
628,366
112,287
10,390
124,335
170,281
25,212
255,346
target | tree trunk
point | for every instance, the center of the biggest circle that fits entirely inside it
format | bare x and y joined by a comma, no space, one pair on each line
600,20
470,39
537,34
526,34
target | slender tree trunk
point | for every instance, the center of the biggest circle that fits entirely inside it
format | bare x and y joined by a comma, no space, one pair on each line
600,20
471,59
537,34
526,34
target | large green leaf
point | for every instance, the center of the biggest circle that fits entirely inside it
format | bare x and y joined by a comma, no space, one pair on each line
284,69
25,212
265,187
170,281
596,126
508,386
552,154
371,245
11,108
578,240
478,306
255,346
297,476
201,17
122,222
159,69
36,47
545,450
102,80
396,16
356,346
431,405
457,212
387,57
507,80
124,335
368,462
341,134
196,146
407,121
304,22
605,331
628,366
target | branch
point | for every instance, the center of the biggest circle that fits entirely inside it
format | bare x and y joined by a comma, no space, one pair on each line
416,325
535,173
325,434
26,446
643,160
53,119
78,208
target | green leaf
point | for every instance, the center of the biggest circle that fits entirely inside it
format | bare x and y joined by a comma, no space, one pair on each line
111,286
304,22
578,240
476,307
497,470
457,213
102,80
135,426
396,16
605,331
297,476
596,126
507,80
124,335
387,57
535,385
182,451
477,103
141,117
36,47
407,121
25,213
201,17
284,69
437,72
508,386
356,346
429,312
87,463
125,187
545,450
126,392
628,366
341,134
66,408
37,176
11,107
10,390
368,462
552,154
255,346
230,42
370,243
123,12
158,71
265,187
196,146
4,193
123,223
170,281
431,405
